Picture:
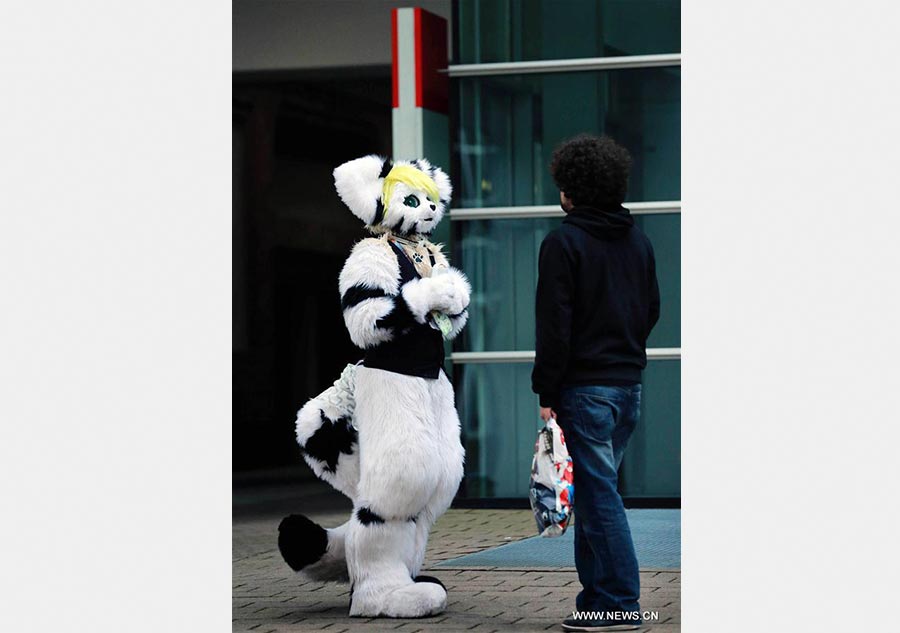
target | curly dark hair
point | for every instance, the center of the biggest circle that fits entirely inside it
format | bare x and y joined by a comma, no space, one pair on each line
591,170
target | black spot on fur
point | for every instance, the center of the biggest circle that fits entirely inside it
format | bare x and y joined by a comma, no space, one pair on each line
357,294
385,168
431,579
379,212
330,440
301,541
367,517
399,317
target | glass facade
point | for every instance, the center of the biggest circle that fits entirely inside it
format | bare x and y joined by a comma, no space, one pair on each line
506,127
499,419
509,125
500,259
527,30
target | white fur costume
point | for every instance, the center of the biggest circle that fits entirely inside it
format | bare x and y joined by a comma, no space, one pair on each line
387,434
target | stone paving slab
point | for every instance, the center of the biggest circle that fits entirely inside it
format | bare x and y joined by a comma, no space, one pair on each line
268,597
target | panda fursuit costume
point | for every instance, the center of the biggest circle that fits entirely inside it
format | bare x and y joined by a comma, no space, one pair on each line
387,434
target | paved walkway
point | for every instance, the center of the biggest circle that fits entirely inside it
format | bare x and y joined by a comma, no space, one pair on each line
268,596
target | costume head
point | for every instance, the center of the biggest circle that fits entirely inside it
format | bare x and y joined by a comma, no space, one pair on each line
404,197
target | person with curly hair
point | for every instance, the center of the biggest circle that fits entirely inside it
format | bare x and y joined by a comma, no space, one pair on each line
597,300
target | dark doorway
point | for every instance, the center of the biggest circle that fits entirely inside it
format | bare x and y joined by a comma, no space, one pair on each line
291,237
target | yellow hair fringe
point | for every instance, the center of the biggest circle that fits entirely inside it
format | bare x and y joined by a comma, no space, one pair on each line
411,176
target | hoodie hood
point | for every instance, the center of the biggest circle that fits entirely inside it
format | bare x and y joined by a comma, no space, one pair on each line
603,224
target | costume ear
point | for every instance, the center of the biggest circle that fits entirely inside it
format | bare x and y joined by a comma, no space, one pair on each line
440,179
359,183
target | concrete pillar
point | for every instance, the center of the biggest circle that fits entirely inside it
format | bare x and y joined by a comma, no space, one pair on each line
421,127
421,90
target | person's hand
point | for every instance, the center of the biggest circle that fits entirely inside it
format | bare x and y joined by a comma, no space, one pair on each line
547,413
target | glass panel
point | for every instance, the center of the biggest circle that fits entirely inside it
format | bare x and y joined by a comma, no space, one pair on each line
500,259
499,417
499,420
664,231
521,30
508,127
651,466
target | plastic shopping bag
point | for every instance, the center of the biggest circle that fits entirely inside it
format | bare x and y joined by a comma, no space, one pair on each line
551,490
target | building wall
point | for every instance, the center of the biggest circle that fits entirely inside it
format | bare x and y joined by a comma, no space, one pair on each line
316,34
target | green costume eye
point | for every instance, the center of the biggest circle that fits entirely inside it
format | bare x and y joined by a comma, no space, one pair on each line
411,201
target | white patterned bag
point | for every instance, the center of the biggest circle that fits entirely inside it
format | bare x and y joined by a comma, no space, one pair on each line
551,489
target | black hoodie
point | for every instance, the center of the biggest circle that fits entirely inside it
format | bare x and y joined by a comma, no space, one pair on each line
597,300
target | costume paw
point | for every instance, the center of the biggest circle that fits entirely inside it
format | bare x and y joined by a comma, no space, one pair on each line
430,579
447,294
301,541
416,600
462,289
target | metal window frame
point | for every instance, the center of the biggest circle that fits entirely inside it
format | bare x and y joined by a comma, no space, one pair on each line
460,358
556,66
551,211
564,65
548,211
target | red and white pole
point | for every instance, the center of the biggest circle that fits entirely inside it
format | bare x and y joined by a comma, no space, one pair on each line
420,86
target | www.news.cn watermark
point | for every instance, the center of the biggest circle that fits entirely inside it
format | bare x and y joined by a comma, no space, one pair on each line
623,616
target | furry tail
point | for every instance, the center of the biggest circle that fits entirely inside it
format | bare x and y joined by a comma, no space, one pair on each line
314,551
327,436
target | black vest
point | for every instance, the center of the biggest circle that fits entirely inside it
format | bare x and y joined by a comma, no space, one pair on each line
417,349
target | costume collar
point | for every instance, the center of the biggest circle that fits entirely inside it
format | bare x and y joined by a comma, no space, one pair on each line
411,240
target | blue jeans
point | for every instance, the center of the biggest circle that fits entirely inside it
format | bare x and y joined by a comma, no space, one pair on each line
597,422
